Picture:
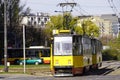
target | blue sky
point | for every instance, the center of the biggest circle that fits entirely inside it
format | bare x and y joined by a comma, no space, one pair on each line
86,7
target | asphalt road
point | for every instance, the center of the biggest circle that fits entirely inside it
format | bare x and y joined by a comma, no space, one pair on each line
109,71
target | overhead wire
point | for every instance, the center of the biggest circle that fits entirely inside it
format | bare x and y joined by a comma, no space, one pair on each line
67,6
80,9
83,9
113,7
74,8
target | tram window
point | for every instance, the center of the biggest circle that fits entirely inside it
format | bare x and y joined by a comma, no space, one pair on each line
36,53
44,53
100,47
86,45
93,46
93,49
80,49
63,46
57,48
28,53
77,47
73,39
67,47
77,40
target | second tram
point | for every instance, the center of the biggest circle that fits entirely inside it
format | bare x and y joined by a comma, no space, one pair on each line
16,54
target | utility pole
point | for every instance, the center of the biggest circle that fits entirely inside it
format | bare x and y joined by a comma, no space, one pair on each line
5,38
65,15
24,48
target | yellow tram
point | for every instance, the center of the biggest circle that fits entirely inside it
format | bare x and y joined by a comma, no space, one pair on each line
96,53
71,54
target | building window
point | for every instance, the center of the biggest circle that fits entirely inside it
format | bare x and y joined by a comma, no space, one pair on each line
39,19
45,19
35,23
31,18
29,23
42,23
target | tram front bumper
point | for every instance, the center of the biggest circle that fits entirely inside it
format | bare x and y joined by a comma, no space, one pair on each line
62,74
63,71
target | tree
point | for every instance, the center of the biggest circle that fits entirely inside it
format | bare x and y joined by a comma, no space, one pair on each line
13,11
92,29
27,11
59,22
87,27
56,22
78,30
115,43
14,29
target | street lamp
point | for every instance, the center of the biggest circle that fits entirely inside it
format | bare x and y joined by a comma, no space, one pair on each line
23,24
24,46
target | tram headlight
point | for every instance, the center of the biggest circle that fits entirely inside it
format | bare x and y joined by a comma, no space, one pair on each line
69,61
56,62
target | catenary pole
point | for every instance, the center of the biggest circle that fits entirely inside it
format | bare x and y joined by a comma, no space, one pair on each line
5,38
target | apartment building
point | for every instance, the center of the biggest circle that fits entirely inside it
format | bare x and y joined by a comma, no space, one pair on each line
38,20
114,20
104,25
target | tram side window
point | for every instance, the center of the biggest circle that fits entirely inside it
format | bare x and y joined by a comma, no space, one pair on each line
86,45
27,53
36,53
100,47
93,50
97,47
45,53
80,45
41,53
84,42
14,54
77,47
93,46
89,50
48,53
10,54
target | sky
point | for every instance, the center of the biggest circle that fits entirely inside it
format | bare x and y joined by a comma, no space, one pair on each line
83,7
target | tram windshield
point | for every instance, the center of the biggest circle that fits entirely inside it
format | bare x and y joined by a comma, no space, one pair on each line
63,46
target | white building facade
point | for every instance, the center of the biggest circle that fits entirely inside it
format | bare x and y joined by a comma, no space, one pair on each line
38,21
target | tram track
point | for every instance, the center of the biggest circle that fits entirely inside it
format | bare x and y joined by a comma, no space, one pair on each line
110,67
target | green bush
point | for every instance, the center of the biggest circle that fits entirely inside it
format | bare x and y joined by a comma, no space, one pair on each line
111,54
